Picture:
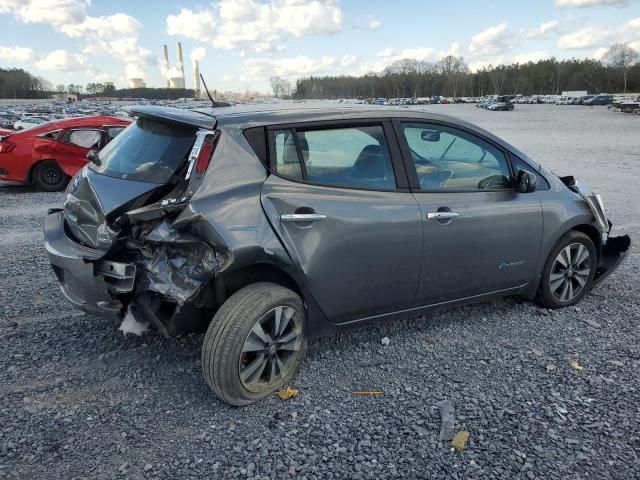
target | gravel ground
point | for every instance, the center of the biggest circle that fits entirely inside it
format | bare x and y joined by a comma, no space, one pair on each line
79,400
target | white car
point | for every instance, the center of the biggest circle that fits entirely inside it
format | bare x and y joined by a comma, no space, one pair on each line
28,122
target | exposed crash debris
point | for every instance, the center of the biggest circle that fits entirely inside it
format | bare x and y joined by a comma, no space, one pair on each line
448,420
593,199
131,325
176,272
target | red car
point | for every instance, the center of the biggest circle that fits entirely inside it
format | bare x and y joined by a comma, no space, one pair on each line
49,154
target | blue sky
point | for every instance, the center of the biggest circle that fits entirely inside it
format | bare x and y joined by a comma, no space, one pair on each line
241,43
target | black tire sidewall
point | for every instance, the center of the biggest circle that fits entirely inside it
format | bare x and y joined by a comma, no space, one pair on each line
545,295
39,170
226,335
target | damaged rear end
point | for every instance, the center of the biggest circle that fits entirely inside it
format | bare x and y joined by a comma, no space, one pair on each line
126,239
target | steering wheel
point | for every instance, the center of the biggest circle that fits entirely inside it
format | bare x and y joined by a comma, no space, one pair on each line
492,182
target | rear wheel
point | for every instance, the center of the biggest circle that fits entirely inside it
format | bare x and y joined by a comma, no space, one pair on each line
568,272
255,343
49,177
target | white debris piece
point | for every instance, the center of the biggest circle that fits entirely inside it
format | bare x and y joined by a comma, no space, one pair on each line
385,341
131,325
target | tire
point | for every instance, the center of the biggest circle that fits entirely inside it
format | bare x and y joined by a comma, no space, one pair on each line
49,177
562,286
233,329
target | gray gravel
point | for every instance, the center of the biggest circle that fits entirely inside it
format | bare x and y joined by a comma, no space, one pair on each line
79,400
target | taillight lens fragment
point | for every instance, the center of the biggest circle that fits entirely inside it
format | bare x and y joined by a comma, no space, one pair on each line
205,154
6,146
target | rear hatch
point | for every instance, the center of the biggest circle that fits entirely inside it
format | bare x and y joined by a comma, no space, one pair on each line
144,163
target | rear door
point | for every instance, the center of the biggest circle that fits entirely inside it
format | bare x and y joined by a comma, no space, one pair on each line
74,144
339,200
480,236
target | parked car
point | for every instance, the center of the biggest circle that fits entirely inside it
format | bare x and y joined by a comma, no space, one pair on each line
28,122
51,153
599,100
270,228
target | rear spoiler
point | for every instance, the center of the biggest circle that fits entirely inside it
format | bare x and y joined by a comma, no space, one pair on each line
178,116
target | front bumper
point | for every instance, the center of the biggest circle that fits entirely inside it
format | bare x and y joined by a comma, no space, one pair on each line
87,281
614,251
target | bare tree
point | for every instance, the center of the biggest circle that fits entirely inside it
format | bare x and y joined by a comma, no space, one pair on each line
281,87
621,56
453,69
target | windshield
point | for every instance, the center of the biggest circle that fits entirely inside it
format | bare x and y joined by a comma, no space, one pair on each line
146,151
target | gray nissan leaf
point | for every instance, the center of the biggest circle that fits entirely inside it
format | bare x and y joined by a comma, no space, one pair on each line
271,227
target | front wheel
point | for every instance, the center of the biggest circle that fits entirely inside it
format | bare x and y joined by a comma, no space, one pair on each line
255,343
568,272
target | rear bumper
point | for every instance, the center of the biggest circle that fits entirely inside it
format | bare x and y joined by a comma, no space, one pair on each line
612,254
87,281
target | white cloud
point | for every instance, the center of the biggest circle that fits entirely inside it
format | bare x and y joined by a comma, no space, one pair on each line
114,35
107,27
420,53
62,61
374,24
587,37
16,54
542,30
386,52
256,23
599,53
530,57
53,12
191,24
492,41
592,3
348,60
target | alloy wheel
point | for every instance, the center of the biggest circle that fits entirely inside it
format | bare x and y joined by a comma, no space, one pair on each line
570,272
51,176
271,348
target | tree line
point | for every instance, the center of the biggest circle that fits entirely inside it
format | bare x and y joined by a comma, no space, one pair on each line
18,83
451,77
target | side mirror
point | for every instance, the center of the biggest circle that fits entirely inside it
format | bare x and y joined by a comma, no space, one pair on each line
430,136
92,156
526,182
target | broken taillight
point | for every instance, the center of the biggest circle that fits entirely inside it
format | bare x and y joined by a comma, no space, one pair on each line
6,146
205,154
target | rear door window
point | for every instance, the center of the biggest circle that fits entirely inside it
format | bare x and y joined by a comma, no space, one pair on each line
112,132
147,151
350,157
83,138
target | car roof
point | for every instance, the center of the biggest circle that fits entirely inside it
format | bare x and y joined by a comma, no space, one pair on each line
248,116
75,122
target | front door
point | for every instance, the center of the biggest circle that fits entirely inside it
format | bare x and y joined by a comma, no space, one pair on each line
480,236
336,203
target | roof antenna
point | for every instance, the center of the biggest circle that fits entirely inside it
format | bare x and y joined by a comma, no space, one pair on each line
213,103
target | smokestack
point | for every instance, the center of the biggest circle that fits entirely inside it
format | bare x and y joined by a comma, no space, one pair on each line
166,61
180,58
196,77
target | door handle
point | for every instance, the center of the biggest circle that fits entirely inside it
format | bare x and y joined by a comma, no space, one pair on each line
301,217
442,215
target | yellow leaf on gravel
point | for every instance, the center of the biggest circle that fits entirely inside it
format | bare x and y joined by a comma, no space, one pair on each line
576,366
287,393
459,442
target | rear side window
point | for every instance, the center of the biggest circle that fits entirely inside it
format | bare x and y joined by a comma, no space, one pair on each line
146,151
112,132
287,161
83,138
356,157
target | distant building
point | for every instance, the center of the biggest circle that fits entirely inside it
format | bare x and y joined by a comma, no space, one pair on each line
65,97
